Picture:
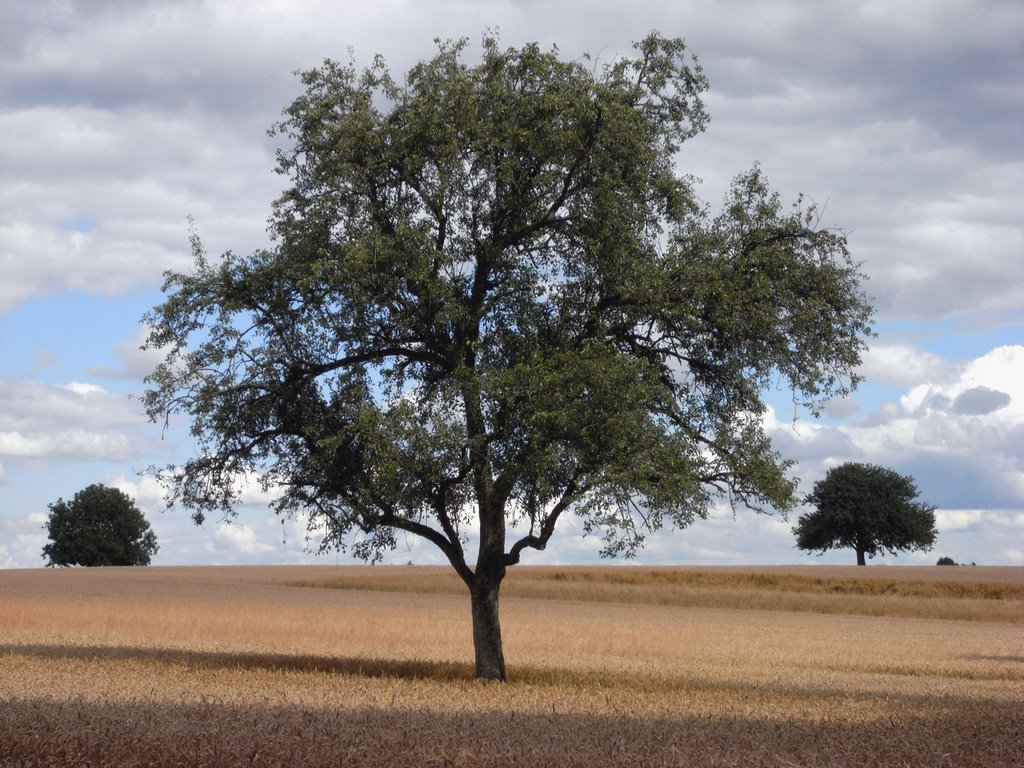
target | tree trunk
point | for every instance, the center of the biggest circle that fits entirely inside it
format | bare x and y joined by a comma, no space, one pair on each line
860,557
490,659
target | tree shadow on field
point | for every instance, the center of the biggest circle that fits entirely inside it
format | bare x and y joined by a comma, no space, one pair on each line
362,667
553,677
42,730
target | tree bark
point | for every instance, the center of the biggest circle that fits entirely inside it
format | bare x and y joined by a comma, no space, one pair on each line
860,557
490,658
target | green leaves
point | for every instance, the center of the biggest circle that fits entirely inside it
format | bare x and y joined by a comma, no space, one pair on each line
866,508
491,300
767,293
99,526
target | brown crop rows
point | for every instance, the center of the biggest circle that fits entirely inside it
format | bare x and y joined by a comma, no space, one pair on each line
610,666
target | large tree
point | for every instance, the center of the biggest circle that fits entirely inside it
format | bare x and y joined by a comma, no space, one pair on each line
99,526
866,508
491,301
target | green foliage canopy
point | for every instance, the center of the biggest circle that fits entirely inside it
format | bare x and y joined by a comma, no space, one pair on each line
866,508
99,526
492,301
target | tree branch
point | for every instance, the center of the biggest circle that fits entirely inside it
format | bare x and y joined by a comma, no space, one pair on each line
451,549
572,494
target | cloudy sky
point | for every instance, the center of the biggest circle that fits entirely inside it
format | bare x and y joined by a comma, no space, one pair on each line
904,121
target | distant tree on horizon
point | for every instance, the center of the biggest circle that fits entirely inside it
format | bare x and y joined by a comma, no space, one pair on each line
99,526
866,508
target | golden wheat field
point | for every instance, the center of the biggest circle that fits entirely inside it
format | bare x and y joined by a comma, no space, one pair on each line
354,666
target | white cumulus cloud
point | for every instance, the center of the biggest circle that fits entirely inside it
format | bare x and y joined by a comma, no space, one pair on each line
902,364
239,538
80,421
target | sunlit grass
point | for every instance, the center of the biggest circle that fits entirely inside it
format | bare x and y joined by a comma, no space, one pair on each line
993,594
232,666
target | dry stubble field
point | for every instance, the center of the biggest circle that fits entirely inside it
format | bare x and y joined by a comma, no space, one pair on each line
312,665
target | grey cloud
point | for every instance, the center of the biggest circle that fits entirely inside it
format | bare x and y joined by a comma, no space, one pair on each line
980,400
133,362
137,176
904,122
823,443
842,408
937,402
43,423
960,482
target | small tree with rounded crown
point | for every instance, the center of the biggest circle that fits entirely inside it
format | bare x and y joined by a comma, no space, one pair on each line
866,508
99,526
